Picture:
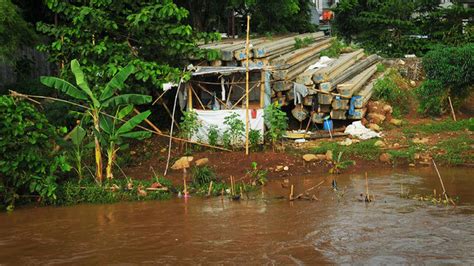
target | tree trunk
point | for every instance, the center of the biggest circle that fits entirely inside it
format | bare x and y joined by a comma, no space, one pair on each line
98,154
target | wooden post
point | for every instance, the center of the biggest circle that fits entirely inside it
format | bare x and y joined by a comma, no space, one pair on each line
367,187
440,180
210,189
190,98
247,47
262,89
452,109
291,192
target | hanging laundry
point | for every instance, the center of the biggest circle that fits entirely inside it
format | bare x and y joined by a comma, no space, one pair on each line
300,91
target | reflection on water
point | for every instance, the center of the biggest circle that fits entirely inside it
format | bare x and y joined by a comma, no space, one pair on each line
334,229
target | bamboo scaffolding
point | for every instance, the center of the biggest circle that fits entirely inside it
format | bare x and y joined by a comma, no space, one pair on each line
247,90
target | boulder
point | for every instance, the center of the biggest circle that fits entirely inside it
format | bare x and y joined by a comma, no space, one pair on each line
314,157
376,118
202,162
379,143
385,157
387,109
396,122
374,127
182,163
329,155
421,140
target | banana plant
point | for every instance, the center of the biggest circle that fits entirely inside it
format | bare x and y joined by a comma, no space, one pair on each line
77,137
115,133
97,100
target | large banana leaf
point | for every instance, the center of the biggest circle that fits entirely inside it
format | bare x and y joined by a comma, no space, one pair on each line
116,83
125,111
132,123
127,99
64,86
137,135
106,124
81,81
77,135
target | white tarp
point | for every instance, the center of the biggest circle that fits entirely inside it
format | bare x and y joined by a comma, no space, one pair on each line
356,129
207,118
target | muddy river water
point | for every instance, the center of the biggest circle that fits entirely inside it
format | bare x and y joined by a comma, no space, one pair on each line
265,230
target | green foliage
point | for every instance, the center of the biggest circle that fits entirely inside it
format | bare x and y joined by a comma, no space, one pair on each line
28,163
14,31
276,122
364,149
450,73
455,150
438,127
432,97
398,27
387,90
301,43
106,34
189,124
380,67
254,139
235,130
276,15
334,51
213,135
99,99
259,176
86,191
338,164
203,175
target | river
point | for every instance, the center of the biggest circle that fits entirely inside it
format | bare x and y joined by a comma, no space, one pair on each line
267,229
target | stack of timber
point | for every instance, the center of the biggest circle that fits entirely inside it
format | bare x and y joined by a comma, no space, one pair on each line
340,90
261,52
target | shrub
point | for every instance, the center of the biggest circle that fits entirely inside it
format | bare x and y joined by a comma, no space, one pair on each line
235,129
254,139
388,90
450,72
213,135
432,97
189,124
203,175
28,162
276,121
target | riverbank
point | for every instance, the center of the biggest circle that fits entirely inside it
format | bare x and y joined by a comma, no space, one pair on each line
413,144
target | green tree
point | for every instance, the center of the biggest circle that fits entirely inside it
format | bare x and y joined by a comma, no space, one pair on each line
98,100
106,34
14,30
29,163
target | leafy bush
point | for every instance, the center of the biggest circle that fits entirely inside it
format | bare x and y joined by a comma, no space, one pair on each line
28,162
432,97
335,50
213,135
189,124
254,139
389,91
301,43
203,175
276,121
235,130
453,70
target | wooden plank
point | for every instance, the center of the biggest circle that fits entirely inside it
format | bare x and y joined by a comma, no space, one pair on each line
358,114
340,103
339,114
341,64
266,49
356,83
297,55
358,67
325,98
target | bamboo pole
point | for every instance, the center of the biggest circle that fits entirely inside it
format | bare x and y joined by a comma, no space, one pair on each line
210,189
452,109
241,98
367,187
247,47
197,97
190,98
291,192
262,89
440,180
185,185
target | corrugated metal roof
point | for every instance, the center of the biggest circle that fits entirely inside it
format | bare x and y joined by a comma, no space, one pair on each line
209,70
